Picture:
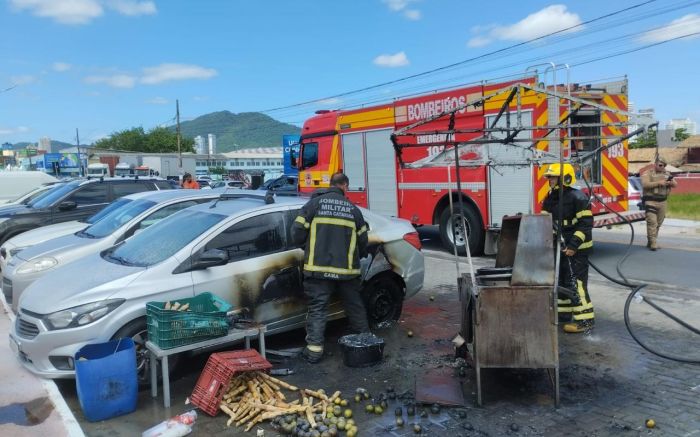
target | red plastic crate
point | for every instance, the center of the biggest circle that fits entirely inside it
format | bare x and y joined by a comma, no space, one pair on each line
216,376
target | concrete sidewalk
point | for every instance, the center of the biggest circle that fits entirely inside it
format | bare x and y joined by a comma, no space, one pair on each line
29,405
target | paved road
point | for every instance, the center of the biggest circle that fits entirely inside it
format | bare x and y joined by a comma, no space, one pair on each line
676,263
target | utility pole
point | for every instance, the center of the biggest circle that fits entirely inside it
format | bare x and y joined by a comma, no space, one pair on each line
179,150
80,159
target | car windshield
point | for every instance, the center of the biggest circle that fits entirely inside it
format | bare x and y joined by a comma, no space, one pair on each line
107,210
162,240
53,195
116,218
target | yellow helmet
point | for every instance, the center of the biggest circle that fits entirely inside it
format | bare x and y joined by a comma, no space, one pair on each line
556,171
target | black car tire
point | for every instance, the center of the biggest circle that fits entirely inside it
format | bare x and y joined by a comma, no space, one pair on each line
383,297
475,230
138,331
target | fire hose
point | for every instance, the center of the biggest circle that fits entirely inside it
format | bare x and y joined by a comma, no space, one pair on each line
636,288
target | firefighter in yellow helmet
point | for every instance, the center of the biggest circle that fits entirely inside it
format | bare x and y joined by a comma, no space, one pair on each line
576,230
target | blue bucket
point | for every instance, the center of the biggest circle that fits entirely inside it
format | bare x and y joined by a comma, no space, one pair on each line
106,379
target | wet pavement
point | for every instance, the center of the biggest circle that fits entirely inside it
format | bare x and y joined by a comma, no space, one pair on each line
609,385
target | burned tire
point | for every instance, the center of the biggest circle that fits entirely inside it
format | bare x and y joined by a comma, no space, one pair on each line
138,332
383,297
474,231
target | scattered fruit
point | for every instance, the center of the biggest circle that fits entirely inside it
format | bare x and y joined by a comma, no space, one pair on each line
343,403
409,333
417,428
358,397
650,423
369,408
399,421
398,412
432,297
383,404
514,427
435,409
378,409
337,411
411,410
347,413
337,401
424,413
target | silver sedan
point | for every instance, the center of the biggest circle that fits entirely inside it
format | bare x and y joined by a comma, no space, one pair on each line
237,248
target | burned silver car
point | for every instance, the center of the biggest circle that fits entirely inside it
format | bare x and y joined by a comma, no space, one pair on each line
238,248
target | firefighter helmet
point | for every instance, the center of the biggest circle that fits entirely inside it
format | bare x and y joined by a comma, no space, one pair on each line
554,170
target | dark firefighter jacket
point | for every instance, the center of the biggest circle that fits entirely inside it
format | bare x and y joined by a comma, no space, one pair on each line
577,217
334,233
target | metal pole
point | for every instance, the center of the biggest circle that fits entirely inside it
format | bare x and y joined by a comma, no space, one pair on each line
177,130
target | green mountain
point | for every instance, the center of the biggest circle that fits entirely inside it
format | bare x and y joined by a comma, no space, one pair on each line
238,131
57,145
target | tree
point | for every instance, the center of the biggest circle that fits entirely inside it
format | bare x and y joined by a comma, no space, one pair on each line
217,170
680,134
644,140
157,140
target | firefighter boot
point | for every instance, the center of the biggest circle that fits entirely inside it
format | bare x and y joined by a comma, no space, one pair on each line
312,353
578,327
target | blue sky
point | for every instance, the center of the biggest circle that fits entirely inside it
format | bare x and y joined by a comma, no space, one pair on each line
107,65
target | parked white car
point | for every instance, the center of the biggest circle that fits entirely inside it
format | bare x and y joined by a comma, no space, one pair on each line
142,211
238,248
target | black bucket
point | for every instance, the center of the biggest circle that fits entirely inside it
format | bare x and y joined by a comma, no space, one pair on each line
361,350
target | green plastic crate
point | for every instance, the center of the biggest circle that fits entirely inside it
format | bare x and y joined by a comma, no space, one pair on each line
205,319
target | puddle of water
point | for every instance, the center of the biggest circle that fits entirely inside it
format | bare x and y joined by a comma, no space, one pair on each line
29,413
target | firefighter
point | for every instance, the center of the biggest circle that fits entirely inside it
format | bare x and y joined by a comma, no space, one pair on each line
657,184
334,235
576,229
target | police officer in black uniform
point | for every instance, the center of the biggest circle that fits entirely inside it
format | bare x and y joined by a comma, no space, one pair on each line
576,229
334,235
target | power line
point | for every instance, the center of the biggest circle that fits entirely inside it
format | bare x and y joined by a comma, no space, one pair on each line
475,58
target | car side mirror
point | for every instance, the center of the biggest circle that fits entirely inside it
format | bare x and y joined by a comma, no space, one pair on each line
209,258
67,205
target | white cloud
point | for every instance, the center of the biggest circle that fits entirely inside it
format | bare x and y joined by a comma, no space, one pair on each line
24,79
153,76
401,6
547,20
413,14
62,11
333,101
61,66
116,80
13,130
682,26
82,11
200,98
158,101
167,72
133,8
397,60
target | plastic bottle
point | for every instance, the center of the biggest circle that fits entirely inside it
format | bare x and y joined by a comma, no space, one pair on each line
176,426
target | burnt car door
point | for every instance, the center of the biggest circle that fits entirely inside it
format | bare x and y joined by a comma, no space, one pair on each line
262,271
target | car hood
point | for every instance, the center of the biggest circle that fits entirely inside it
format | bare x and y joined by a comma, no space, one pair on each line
86,280
39,235
56,247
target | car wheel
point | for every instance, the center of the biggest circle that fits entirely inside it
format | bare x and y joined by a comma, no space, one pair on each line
138,332
474,231
383,297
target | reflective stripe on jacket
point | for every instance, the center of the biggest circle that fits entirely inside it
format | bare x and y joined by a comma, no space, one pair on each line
577,220
334,233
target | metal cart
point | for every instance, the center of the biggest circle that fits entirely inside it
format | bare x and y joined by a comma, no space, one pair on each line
509,312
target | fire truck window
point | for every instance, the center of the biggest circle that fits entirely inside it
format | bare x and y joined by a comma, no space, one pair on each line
586,140
309,156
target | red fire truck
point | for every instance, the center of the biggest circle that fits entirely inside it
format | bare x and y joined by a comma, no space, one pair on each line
505,134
